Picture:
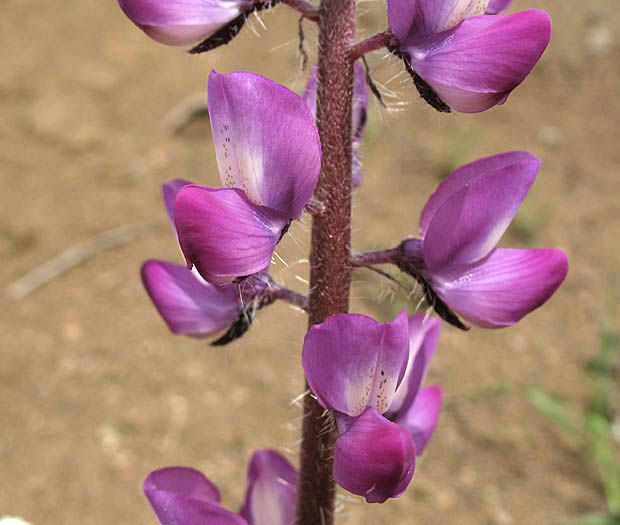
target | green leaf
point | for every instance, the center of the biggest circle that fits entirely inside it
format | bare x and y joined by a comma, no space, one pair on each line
597,519
556,409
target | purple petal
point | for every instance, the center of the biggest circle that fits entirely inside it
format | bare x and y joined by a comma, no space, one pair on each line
375,458
266,141
504,287
187,303
497,6
310,93
423,340
352,361
182,22
184,496
465,174
401,16
223,234
182,481
478,63
421,419
169,193
417,18
271,498
471,220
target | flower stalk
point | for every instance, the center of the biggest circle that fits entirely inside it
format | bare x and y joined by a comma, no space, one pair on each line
330,273
372,43
275,291
362,260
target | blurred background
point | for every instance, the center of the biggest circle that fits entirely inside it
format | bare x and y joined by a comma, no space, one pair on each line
94,390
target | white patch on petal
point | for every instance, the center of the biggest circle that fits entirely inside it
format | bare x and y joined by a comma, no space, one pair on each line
461,10
240,166
266,504
492,239
415,345
383,391
198,277
250,172
226,157
373,389
478,7
358,393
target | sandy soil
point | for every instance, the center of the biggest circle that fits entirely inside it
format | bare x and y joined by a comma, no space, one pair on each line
95,392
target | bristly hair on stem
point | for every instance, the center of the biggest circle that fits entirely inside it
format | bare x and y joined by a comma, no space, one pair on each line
330,271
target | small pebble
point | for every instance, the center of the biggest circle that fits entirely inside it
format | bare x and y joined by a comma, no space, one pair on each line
599,41
13,520
549,136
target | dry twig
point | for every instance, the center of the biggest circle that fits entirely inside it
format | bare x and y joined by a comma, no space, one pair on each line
71,258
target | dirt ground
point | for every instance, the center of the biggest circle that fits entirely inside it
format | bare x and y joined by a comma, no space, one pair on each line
95,392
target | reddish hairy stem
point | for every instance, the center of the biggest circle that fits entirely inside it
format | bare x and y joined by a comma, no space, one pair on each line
330,272
361,260
285,294
378,41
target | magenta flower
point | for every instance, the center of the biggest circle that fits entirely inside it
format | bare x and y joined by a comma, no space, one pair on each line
184,496
360,114
183,22
269,155
191,306
456,259
370,374
462,58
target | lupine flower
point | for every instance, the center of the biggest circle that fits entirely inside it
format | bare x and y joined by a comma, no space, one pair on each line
269,154
456,259
462,58
360,114
191,306
184,496
183,22
370,374
188,304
